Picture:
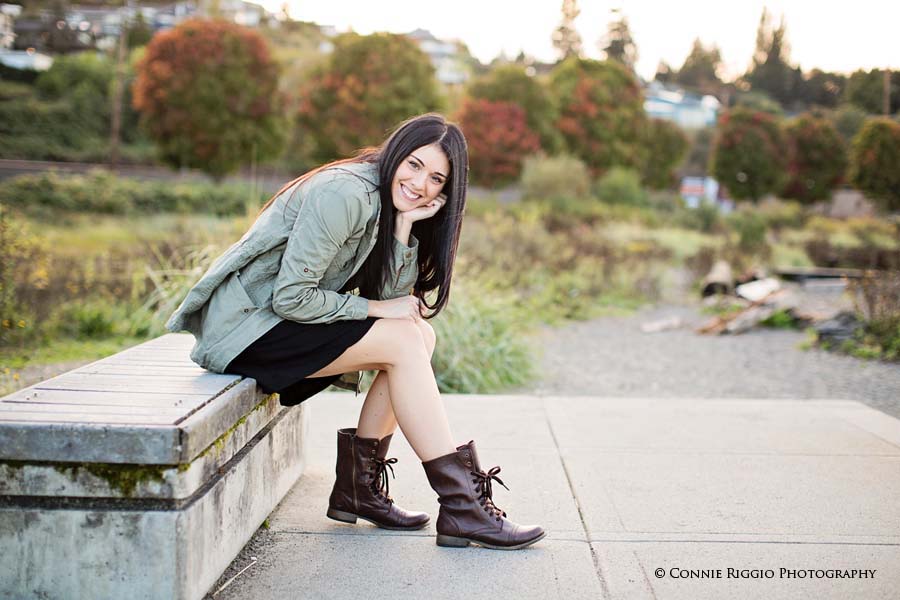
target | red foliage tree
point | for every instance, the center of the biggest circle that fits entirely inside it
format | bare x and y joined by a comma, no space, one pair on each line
748,154
498,139
601,113
207,94
367,86
816,158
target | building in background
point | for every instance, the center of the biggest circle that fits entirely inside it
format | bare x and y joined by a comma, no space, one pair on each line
449,67
91,26
688,111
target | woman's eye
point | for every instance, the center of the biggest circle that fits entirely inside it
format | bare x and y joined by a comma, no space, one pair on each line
414,165
437,180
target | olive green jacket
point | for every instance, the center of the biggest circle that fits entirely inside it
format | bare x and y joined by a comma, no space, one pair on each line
290,265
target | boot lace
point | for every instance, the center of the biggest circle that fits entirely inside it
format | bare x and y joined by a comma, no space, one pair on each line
486,492
380,478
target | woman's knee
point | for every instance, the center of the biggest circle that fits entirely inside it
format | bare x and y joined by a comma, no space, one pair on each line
428,335
405,341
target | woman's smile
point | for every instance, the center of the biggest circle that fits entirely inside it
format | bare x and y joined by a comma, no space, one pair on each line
409,194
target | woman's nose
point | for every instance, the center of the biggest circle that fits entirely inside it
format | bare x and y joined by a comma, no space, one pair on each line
419,182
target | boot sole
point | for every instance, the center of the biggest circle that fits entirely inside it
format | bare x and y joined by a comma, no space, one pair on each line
345,517
450,541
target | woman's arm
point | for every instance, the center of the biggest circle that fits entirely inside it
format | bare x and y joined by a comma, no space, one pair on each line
404,270
331,211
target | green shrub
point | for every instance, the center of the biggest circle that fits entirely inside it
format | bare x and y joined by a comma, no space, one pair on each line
783,215
667,146
50,194
555,178
780,319
481,348
751,230
706,218
848,120
748,155
21,257
621,186
875,161
91,320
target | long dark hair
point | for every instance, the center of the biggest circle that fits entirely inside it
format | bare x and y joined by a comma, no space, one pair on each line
438,236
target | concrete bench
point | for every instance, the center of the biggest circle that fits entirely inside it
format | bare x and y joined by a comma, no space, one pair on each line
138,476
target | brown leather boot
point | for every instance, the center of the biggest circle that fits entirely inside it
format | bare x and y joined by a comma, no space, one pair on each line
468,513
361,488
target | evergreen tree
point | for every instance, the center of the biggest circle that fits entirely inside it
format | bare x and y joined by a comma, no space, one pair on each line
865,89
771,72
700,69
618,44
664,73
821,88
566,38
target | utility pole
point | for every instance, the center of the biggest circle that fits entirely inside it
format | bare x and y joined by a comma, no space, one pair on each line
886,93
119,85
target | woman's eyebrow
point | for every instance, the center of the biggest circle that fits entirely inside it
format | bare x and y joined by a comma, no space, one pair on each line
423,164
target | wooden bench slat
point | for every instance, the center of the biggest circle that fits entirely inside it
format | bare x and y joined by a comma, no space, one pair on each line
40,417
138,367
208,384
131,398
90,409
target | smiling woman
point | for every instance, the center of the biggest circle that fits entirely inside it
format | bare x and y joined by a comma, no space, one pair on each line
279,306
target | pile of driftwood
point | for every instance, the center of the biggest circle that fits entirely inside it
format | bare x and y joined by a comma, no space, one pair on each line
762,296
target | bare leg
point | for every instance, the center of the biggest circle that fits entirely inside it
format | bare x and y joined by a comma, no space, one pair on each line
376,418
397,347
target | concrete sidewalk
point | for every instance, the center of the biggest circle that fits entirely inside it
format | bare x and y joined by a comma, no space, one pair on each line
795,493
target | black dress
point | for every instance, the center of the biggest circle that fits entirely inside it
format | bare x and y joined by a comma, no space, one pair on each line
281,359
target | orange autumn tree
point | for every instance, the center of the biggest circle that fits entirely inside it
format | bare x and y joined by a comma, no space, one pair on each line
207,94
498,139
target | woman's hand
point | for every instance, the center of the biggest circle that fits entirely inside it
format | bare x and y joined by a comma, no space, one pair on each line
427,211
405,307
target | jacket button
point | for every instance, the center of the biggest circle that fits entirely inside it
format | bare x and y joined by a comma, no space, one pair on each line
246,310
305,270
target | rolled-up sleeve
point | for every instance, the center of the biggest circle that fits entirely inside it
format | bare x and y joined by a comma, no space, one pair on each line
327,217
404,270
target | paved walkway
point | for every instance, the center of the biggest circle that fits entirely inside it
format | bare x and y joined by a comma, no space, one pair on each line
796,493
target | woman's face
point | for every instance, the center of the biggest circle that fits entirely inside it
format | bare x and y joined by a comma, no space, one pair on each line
420,178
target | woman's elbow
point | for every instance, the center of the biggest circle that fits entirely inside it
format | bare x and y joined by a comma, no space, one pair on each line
287,306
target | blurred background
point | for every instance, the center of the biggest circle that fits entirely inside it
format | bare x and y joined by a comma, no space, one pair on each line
624,157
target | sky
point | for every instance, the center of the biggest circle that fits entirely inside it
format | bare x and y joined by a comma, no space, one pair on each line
834,36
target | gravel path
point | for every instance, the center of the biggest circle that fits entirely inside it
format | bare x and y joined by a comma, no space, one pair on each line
613,357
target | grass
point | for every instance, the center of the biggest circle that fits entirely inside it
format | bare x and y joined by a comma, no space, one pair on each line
107,232
64,350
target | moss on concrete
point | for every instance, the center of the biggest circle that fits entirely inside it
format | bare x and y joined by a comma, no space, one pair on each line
126,477
122,477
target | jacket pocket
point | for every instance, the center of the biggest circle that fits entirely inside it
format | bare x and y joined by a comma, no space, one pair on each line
229,306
